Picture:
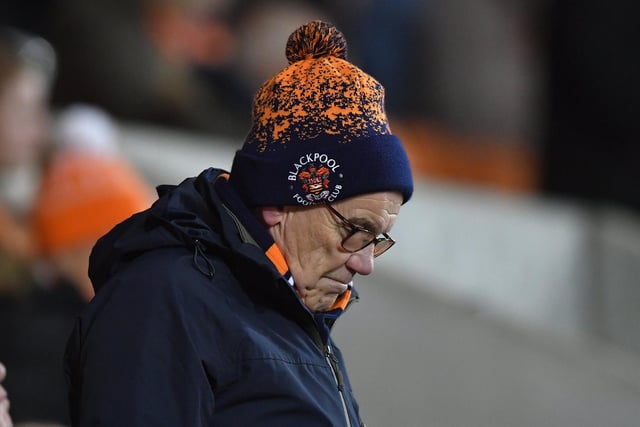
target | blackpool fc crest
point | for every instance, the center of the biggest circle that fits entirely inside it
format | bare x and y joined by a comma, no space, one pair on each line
316,178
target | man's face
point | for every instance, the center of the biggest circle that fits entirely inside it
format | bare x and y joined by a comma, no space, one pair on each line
310,240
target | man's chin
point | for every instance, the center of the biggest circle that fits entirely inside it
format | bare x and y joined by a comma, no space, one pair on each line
322,305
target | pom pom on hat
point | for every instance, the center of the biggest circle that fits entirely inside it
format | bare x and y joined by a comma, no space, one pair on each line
320,132
316,40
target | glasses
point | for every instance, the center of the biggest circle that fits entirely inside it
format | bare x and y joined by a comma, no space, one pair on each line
359,237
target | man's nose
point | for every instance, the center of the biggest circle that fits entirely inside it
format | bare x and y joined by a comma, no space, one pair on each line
362,261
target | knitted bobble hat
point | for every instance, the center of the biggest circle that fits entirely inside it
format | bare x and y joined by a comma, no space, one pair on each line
320,132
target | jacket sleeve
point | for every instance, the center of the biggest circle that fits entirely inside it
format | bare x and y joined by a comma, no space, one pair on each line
132,361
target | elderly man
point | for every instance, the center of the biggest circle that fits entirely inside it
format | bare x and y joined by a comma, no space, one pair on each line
214,307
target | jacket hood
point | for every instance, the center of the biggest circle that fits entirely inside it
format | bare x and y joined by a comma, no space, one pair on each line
186,215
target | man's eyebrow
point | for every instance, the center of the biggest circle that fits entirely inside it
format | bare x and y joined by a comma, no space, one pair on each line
366,223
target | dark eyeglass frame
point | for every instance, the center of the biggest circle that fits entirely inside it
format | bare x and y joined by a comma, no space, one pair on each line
377,240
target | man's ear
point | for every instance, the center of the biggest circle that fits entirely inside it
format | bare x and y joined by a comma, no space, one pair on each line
270,215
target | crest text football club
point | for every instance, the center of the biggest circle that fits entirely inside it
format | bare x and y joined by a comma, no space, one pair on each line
315,178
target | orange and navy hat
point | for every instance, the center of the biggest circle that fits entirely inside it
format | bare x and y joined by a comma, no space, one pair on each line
320,132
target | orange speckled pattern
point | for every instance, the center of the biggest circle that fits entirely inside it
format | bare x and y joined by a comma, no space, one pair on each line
319,93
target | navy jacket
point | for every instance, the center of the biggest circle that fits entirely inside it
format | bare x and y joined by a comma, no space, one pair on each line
194,325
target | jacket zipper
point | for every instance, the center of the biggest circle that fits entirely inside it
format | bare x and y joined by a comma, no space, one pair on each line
332,360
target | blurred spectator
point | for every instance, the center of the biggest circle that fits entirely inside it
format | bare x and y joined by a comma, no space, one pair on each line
27,66
230,47
200,36
145,69
86,188
168,62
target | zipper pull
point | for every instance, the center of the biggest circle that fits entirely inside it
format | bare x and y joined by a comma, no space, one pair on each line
199,249
335,366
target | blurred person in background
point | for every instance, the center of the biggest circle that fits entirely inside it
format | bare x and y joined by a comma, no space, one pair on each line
215,306
27,68
151,54
228,48
199,36
191,64
86,188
